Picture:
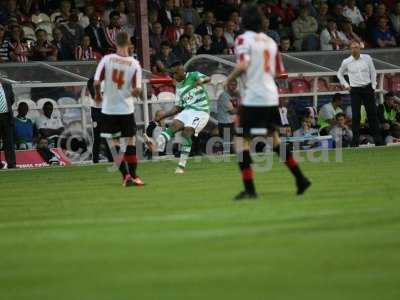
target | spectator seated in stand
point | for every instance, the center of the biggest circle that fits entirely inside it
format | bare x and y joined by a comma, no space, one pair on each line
306,131
49,125
389,117
43,50
219,43
327,113
340,132
332,38
206,47
163,60
305,29
23,128
84,51
382,35
182,51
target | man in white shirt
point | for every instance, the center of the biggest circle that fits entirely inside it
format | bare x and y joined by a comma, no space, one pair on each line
122,75
49,124
259,63
333,39
362,76
327,113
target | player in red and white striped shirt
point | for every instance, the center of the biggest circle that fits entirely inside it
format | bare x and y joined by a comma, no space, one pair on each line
122,76
258,64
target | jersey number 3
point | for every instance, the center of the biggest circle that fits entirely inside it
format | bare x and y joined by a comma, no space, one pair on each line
267,57
118,78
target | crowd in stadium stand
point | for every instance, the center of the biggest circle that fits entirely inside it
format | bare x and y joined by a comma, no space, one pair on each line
85,30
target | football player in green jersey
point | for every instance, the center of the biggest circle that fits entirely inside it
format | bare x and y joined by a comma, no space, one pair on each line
191,111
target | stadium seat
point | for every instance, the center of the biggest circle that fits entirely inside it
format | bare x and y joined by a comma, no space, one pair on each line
387,82
323,85
166,97
219,89
283,90
42,101
395,83
48,27
218,79
37,19
69,115
211,91
33,113
29,33
298,86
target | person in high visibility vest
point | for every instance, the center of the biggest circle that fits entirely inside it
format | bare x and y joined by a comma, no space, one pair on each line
389,116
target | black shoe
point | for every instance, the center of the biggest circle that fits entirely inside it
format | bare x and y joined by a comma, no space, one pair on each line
302,185
245,195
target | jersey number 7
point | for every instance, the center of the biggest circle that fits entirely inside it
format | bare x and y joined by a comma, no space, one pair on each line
118,78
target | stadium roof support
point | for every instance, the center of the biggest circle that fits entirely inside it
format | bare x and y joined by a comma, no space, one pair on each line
321,63
76,73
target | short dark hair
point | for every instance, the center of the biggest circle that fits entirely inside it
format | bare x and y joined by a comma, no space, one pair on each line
389,95
113,14
40,30
122,39
176,63
184,36
252,19
165,44
339,115
336,97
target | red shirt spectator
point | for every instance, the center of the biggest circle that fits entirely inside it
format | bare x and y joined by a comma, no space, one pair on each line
284,11
84,51
173,32
19,51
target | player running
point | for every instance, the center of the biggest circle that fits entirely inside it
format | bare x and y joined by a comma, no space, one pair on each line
192,112
258,63
122,76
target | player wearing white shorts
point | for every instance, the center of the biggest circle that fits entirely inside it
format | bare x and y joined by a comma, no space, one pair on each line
122,76
258,63
192,111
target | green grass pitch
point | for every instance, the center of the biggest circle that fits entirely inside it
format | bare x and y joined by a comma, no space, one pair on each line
75,233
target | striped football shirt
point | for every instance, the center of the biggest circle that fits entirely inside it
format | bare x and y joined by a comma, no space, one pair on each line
190,96
3,101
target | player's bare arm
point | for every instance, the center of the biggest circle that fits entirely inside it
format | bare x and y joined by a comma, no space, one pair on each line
203,80
239,69
97,89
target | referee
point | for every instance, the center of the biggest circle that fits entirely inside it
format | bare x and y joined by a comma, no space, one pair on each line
362,76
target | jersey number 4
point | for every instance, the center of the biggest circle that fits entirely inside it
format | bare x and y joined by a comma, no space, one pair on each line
267,57
118,78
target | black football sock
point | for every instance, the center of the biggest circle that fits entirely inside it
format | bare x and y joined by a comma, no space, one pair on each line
290,162
131,160
246,171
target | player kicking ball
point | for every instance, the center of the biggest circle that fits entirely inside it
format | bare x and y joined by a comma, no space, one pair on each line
122,76
258,63
192,112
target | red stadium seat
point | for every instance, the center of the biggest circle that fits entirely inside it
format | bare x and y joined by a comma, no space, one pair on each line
323,85
395,83
298,86
386,82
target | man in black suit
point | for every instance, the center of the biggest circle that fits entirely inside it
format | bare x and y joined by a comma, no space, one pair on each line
7,124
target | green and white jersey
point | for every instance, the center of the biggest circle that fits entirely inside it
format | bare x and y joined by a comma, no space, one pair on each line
189,96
